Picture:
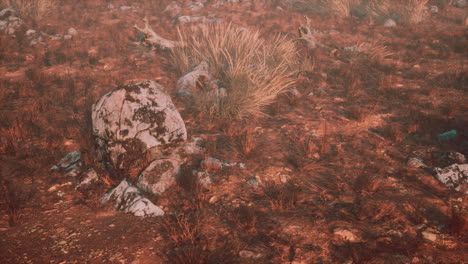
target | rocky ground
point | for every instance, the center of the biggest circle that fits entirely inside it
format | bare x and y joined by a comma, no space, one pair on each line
361,161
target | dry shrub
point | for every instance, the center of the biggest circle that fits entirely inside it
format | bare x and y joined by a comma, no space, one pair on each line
372,51
31,9
12,203
189,242
251,69
407,11
282,197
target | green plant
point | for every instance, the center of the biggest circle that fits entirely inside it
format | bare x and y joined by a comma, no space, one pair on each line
251,69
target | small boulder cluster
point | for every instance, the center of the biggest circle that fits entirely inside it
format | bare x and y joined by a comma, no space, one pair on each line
135,122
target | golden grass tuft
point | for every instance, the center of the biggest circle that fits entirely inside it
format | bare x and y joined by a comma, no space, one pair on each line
251,69
31,9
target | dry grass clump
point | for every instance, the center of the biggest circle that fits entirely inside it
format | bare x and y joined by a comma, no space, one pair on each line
31,9
251,69
407,11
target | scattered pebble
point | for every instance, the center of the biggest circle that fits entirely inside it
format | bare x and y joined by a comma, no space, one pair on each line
390,23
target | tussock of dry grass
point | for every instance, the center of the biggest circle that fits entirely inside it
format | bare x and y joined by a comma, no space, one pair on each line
407,11
253,70
30,9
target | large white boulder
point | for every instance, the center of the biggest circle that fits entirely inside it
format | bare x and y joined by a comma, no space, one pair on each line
135,118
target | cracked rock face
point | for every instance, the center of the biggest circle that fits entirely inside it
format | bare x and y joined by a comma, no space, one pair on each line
159,175
135,118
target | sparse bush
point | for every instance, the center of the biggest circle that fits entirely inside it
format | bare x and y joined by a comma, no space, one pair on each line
31,9
251,69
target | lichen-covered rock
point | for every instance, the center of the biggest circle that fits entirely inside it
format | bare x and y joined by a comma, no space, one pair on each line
129,199
135,118
159,175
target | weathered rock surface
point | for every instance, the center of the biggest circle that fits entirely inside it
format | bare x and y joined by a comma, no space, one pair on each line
129,199
159,176
135,118
454,176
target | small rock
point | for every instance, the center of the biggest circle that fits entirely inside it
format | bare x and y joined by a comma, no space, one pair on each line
434,9
429,236
204,178
70,164
123,8
30,32
250,254
416,163
213,199
347,235
70,159
129,199
253,181
211,164
195,6
390,23
72,31
67,37
173,9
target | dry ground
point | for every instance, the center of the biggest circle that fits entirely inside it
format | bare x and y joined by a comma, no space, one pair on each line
342,145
